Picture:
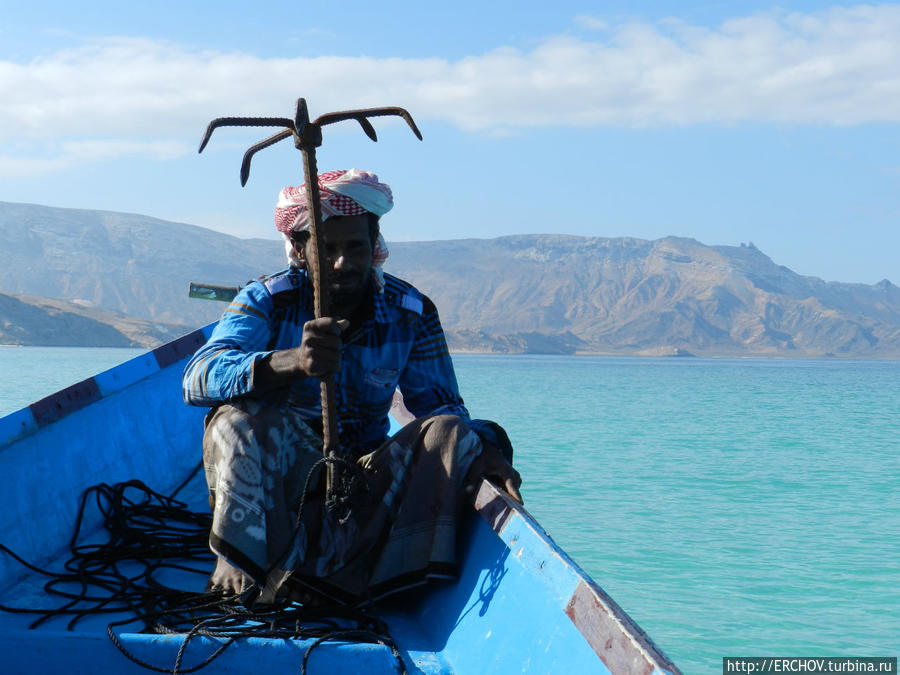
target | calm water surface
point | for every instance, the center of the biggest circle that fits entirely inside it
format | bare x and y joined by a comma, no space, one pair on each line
732,507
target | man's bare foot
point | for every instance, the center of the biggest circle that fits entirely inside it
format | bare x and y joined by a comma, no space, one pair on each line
226,578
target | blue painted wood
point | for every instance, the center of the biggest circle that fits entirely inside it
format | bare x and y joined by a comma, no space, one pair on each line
520,605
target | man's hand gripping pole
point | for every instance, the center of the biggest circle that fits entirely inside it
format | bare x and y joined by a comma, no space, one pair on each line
307,137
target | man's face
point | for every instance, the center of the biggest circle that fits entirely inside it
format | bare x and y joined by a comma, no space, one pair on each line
348,253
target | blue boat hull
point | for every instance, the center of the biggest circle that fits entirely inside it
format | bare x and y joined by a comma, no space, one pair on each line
520,604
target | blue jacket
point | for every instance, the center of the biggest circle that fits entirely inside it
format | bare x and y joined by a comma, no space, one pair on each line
400,344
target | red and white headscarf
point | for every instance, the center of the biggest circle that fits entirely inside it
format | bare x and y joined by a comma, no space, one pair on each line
342,193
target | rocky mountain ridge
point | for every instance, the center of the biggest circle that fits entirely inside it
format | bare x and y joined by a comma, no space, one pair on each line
669,296
526,293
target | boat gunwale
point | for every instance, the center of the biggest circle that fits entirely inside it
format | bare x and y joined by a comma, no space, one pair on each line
589,607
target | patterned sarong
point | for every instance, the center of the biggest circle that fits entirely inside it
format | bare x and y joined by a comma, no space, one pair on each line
261,465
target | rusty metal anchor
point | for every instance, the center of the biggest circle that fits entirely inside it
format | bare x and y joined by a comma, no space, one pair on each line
307,137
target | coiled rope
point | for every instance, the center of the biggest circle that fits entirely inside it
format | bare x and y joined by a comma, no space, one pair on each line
156,532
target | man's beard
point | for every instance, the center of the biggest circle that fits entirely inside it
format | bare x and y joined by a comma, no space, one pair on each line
347,291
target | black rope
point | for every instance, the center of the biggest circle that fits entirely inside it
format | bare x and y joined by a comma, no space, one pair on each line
347,493
154,533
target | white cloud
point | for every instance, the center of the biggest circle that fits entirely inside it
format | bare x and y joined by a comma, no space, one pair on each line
59,156
110,149
839,66
589,22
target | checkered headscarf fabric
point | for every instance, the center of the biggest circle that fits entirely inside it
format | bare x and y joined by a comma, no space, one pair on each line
341,193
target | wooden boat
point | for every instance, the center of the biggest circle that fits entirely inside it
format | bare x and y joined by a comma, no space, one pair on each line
520,604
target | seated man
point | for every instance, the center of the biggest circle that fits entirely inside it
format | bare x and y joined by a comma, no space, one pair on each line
262,446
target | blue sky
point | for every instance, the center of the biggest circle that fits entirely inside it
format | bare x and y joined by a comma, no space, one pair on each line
727,122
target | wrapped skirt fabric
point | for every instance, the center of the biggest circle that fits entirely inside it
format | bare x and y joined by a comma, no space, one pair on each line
397,529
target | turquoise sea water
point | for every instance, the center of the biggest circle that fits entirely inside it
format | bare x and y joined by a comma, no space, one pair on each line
732,507
30,373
